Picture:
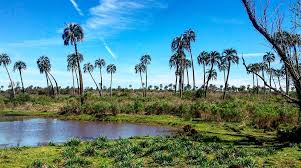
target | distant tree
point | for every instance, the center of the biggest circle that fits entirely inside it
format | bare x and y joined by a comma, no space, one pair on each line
177,46
5,61
268,58
213,59
73,67
190,36
20,66
44,67
146,60
187,66
203,60
111,69
100,63
175,61
229,56
140,68
72,34
88,68
263,67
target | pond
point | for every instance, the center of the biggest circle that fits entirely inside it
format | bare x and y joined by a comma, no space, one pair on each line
16,131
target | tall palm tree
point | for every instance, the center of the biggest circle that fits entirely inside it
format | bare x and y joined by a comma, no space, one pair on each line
5,61
251,68
212,74
229,56
72,34
88,68
268,58
100,63
111,69
187,65
73,66
146,60
140,68
278,73
45,66
213,59
256,68
203,60
20,65
177,46
223,66
189,36
174,61
263,67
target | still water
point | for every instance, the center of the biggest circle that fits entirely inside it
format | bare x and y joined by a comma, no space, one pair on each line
40,131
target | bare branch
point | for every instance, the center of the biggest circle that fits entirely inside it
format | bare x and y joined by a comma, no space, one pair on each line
293,100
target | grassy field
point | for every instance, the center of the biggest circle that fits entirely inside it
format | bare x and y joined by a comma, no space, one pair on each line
211,138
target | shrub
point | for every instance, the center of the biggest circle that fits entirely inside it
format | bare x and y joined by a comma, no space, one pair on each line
73,142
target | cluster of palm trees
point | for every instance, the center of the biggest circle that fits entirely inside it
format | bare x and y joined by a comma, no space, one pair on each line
179,61
140,68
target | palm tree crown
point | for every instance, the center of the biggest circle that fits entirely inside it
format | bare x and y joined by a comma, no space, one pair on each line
140,68
72,33
44,64
203,58
100,63
146,59
230,55
111,68
19,65
4,59
269,57
88,67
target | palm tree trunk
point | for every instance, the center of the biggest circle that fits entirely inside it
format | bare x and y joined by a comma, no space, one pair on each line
111,85
23,90
56,85
73,88
204,71
257,85
176,73
11,81
187,76
47,84
253,82
48,78
226,84
270,76
279,83
192,66
78,89
95,84
145,88
100,81
141,83
207,83
263,80
81,86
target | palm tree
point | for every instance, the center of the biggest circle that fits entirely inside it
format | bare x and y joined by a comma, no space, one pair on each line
44,67
72,34
256,69
20,65
146,60
100,63
189,36
213,59
230,56
187,65
223,66
212,74
251,68
88,68
111,69
263,66
177,46
174,61
5,60
203,59
73,66
140,68
268,58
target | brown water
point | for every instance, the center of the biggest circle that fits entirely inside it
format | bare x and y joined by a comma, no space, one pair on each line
16,131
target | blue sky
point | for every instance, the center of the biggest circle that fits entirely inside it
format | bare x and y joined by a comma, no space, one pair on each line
120,31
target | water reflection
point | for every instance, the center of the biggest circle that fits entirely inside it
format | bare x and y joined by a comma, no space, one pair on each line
38,131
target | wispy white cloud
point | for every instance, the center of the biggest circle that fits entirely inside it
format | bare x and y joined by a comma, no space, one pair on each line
116,15
109,49
76,7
